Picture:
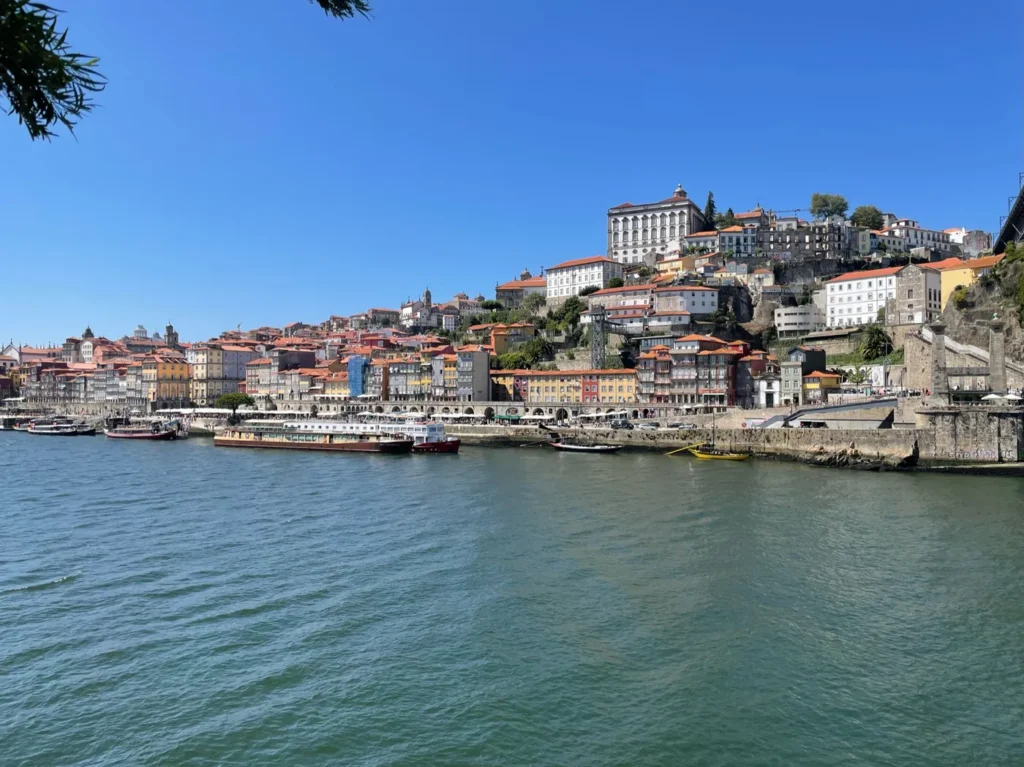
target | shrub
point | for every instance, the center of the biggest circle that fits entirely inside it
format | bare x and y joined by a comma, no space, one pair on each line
959,296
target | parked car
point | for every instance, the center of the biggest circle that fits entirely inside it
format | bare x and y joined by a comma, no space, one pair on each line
684,425
622,424
647,426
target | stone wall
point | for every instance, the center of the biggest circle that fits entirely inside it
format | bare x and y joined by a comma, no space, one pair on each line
991,435
917,359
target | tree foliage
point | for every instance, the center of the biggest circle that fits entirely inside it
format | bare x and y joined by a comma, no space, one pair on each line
806,295
869,216
589,289
344,9
513,360
725,220
46,84
615,282
42,80
876,344
492,305
533,302
234,400
825,205
709,209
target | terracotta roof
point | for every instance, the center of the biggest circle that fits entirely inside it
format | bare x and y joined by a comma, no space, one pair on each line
983,262
581,262
533,282
623,289
723,350
866,275
670,288
954,230
698,337
763,271
750,214
819,374
260,361
733,229
709,233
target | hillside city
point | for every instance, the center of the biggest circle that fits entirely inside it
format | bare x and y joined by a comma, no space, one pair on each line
689,307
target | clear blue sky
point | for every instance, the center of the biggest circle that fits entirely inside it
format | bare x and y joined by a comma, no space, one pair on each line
260,163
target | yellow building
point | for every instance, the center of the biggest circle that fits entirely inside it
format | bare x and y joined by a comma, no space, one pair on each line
336,385
165,380
608,386
451,375
817,386
506,337
955,273
676,266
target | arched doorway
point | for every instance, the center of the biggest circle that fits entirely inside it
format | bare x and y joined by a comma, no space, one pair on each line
378,409
561,414
414,409
468,411
488,413
538,411
646,413
636,414
430,410
446,410
396,409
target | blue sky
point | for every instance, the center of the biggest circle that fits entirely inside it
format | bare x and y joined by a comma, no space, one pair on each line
259,163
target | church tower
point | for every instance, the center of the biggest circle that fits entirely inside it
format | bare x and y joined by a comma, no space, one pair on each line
170,336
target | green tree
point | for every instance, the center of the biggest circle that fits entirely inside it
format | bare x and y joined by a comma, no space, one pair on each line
825,205
806,296
876,344
533,302
234,400
492,305
709,210
46,84
536,349
513,360
615,282
869,216
589,289
725,220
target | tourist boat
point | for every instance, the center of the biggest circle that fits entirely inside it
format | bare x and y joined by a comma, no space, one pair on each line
155,431
62,429
14,423
568,447
427,436
310,435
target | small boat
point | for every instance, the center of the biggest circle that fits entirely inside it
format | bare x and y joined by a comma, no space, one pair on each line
568,447
714,454
446,445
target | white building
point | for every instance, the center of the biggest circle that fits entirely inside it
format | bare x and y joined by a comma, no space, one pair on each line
972,242
855,298
799,320
704,241
639,234
570,277
741,240
916,237
892,242
694,299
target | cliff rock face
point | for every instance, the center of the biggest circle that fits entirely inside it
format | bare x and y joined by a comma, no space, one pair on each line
995,294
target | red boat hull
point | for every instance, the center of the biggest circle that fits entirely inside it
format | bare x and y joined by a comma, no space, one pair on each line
448,446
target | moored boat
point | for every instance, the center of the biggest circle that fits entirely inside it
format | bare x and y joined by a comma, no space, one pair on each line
569,447
155,432
310,435
427,436
714,454
63,430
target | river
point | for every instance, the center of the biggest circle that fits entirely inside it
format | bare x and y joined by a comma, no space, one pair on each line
180,604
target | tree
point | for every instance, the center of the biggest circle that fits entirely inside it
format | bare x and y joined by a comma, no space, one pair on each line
46,84
513,360
825,205
725,220
234,400
806,296
876,343
589,289
615,282
492,305
709,210
533,302
536,349
869,216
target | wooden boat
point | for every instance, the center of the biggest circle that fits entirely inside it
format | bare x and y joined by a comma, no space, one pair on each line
446,445
713,454
585,448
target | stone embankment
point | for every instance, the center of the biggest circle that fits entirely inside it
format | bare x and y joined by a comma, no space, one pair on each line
875,449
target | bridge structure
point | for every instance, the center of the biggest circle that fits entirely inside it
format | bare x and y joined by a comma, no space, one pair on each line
1011,226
